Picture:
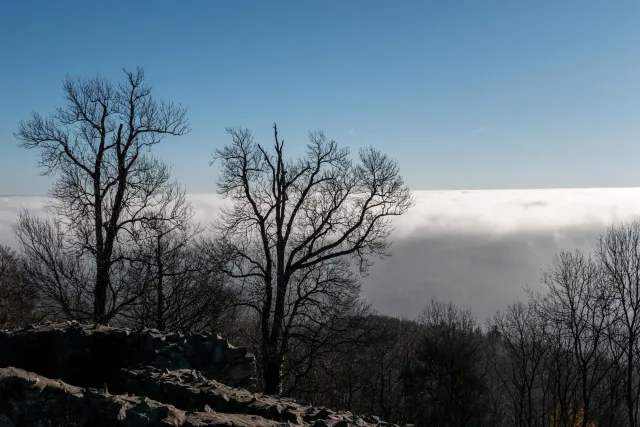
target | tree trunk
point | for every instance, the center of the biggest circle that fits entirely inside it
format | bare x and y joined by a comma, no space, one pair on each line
272,375
102,268
100,292
275,356
629,388
160,322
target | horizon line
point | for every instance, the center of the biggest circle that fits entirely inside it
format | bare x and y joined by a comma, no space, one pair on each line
423,190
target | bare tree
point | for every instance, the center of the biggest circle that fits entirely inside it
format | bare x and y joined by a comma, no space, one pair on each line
58,275
17,298
448,377
319,302
560,379
578,304
519,357
362,370
182,290
106,183
610,397
618,252
289,216
162,264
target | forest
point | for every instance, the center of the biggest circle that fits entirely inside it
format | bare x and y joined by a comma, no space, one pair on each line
281,271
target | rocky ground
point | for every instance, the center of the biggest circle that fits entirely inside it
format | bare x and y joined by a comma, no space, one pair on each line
153,379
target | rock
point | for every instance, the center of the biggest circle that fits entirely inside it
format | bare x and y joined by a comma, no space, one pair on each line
324,414
191,379
23,401
293,417
234,354
92,355
5,421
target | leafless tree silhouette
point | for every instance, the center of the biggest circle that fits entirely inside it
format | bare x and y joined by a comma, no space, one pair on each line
181,289
288,217
107,183
17,297
578,305
618,251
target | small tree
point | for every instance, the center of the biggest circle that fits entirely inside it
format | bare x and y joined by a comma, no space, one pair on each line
447,379
181,289
17,298
161,265
61,278
518,359
578,304
287,217
618,253
317,304
106,183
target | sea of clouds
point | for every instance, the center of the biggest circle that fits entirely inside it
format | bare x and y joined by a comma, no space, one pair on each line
475,248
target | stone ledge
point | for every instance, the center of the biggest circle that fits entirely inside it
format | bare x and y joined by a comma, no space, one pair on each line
27,399
189,390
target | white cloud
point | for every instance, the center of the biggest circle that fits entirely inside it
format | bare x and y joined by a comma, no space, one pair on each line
480,248
9,208
515,211
476,248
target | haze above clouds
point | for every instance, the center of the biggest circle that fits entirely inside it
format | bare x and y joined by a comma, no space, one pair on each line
475,248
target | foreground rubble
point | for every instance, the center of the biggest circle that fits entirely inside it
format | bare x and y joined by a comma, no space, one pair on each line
80,375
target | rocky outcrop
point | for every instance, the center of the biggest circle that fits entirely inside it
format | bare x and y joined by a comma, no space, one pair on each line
140,378
188,390
92,355
27,399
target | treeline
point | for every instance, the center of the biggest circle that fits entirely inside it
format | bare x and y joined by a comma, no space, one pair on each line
280,270
566,357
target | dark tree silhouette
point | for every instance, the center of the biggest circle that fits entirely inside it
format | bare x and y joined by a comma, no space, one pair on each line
106,183
577,304
181,289
618,252
16,295
447,378
287,217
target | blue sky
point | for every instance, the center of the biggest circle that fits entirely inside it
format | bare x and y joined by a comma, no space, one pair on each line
464,94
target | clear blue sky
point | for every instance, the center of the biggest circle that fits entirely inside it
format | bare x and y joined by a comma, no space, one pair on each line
464,94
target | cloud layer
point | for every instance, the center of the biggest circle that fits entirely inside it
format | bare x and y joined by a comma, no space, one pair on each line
475,248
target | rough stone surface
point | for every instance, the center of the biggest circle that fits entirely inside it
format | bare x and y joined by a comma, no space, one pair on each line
91,356
27,399
191,391
141,378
